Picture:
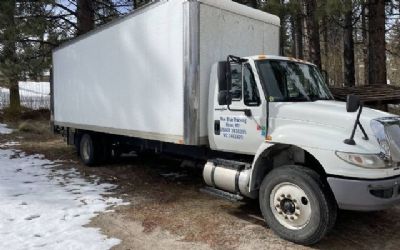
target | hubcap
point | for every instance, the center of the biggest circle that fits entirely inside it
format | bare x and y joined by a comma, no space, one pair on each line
86,150
290,206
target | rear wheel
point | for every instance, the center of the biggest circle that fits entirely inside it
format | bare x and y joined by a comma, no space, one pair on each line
90,149
297,205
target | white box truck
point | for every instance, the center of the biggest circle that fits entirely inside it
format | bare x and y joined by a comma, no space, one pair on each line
163,78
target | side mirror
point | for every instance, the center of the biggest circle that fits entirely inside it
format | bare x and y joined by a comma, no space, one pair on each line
353,103
223,68
224,97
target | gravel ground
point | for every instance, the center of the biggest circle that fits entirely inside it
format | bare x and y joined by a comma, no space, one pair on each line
168,211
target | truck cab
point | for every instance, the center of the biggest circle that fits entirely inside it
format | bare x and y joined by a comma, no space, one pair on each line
312,154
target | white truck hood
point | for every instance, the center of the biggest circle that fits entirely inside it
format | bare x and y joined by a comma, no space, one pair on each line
325,113
322,124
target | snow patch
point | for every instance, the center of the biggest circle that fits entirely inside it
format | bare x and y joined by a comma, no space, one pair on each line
45,207
30,88
4,130
9,144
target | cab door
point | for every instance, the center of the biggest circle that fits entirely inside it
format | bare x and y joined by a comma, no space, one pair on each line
240,127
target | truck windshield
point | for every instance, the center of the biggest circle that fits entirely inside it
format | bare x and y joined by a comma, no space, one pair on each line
288,81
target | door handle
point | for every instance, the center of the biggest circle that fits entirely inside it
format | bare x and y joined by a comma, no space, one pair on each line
217,127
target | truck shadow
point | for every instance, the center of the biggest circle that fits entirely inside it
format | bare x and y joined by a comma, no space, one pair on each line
249,211
169,169
353,230
365,230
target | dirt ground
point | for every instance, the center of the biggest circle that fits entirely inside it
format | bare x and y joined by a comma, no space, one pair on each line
168,211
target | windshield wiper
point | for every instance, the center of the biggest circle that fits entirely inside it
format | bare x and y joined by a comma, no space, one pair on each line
318,98
298,99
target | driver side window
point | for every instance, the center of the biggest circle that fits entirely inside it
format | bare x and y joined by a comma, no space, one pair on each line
250,90
244,85
236,75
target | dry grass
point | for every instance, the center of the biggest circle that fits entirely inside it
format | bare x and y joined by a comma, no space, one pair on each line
54,149
34,127
32,131
8,116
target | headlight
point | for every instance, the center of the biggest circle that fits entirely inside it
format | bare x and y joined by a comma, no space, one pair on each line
371,161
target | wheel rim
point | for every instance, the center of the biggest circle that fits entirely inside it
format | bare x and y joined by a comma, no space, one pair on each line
290,206
86,150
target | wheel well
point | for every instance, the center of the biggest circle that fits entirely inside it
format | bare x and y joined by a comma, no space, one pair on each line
282,155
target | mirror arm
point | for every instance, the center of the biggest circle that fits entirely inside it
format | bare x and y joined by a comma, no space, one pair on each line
366,138
351,141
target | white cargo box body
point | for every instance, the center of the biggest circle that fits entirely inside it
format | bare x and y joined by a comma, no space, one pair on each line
147,74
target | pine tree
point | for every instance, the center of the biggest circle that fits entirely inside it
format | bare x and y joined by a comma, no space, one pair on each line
8,52
24,51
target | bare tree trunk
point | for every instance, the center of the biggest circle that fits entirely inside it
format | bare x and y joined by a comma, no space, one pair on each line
364,27
313,33
293,35
325,34
377,43
348,55
282,36
85,16
299,36
15,99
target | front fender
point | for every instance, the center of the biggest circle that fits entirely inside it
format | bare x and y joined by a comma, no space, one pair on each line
321,143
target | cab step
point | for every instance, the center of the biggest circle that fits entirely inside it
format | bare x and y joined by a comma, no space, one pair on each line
222,194
236,165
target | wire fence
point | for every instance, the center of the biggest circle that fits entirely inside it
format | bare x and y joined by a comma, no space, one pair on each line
34,95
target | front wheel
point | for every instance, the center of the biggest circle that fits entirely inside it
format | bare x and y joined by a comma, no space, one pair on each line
297,205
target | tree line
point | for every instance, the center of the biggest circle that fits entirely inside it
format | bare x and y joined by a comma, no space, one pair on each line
356,42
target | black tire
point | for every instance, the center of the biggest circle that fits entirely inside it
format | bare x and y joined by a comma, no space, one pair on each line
330,197
90,149
321,204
